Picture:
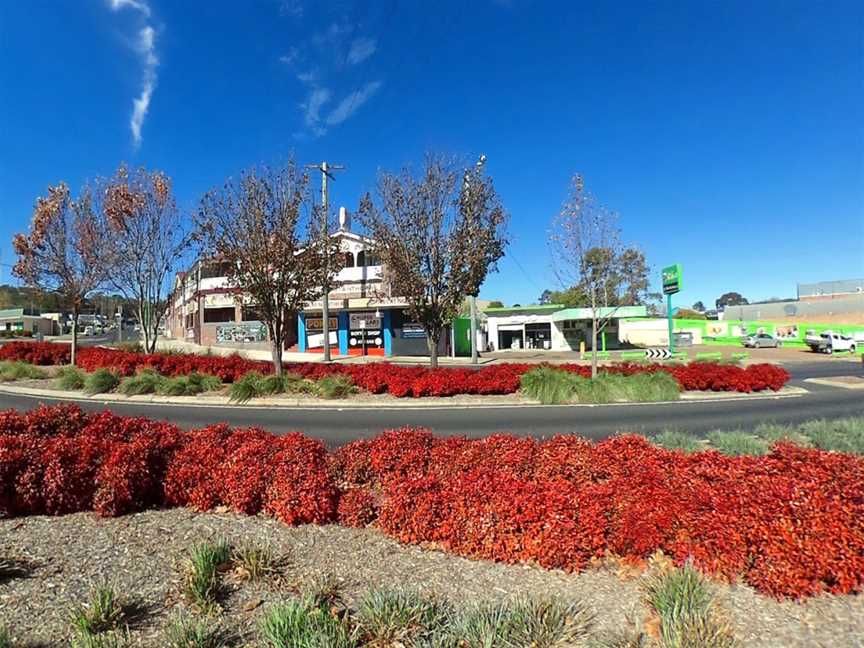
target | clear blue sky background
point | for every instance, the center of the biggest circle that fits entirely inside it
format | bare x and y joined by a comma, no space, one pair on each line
729,135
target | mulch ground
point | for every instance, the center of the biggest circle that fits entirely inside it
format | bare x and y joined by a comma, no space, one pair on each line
142,556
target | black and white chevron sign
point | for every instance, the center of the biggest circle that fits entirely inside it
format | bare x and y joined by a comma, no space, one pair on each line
658,354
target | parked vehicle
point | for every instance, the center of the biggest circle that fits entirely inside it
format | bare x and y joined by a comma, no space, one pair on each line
88,330
761,340
831,342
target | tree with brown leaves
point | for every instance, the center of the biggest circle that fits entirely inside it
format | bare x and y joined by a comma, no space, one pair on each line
258,226
148,238
438,235
63,250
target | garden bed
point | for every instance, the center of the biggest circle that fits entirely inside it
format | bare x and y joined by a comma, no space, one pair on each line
142,556
790,522
398,381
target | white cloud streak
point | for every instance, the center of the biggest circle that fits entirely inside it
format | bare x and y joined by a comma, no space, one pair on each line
145,47
361,49
352,103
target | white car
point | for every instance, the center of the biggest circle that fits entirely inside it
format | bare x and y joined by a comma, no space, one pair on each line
829,342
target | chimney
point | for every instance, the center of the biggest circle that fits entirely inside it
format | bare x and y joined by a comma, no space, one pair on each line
344,220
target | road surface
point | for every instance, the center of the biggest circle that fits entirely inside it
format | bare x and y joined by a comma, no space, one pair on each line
338,426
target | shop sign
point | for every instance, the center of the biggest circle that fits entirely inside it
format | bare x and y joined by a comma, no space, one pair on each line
364,321
413,330
317,323
672,279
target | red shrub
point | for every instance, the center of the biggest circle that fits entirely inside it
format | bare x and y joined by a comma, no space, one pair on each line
357,508
300,489
193,476
247,469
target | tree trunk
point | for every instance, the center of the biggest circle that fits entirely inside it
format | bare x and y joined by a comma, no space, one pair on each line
276,351
432,345
593,345
73,351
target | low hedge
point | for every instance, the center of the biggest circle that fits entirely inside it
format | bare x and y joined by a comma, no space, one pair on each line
382,377
790,522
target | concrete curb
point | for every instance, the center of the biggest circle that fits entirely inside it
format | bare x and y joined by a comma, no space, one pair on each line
270,403
834,382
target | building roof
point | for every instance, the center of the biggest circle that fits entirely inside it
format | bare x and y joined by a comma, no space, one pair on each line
543,308
610,311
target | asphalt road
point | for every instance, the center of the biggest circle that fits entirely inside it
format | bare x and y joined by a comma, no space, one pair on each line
337,426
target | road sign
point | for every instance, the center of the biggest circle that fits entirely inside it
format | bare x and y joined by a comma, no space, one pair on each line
672,279
658,354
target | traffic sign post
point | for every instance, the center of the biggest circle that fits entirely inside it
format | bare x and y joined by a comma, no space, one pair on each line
671,285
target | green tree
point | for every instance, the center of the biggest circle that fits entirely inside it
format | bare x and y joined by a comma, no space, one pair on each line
699,306
730,299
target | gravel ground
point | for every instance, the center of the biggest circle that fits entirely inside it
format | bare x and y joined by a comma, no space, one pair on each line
142,556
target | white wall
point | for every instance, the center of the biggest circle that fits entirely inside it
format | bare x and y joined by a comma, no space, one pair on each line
652,332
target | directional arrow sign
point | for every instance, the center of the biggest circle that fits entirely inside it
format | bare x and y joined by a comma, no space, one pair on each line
658,354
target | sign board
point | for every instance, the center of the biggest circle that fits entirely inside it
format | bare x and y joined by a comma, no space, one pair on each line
364,320
672,279
317,324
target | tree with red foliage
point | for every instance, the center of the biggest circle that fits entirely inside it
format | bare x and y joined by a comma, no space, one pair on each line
64,249
275,259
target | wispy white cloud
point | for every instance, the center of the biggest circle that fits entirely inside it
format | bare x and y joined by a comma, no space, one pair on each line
138,5
290,57
352,103
310,76
145,47
291,8
361,49
312,109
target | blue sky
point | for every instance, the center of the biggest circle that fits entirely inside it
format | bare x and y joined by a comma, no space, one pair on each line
729,136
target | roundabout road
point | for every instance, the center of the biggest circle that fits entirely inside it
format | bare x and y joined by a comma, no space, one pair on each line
340,425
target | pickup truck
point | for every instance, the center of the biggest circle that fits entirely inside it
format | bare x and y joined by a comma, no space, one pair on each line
829,341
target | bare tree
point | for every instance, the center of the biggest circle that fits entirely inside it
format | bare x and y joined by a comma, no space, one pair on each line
148,238
62,251
438,236
587,252
258,227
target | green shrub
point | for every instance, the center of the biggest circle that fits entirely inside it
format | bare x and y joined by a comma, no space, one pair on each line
335,386
202,582
737,443
194,633
100,382
401,618
301,623
18,370
147,381
840,435
70,378
246,387
548,385
102,612
677,440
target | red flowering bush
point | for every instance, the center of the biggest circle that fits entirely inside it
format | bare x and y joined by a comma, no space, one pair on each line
789,523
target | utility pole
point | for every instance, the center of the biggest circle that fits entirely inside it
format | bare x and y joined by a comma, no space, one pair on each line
472,299
325,170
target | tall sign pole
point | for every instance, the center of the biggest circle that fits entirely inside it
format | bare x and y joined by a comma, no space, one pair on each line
671,285
325,170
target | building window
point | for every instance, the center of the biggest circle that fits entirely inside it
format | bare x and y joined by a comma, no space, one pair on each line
372,259
361,259
349,260
217,315
251,315
210,270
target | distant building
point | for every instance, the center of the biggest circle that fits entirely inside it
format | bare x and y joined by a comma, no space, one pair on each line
24,321
841,300
831,289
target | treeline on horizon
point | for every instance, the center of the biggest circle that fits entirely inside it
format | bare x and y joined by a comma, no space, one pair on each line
46,301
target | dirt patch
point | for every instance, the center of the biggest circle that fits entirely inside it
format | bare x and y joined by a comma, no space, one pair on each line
142,555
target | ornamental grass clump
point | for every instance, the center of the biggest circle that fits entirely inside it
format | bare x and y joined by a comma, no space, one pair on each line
147,381
100,381
184,632
254,561
103,612
840,435
635,388
70,378
202,582
402,618
304,623
677,440
737,443
548,385
247,387
17,370
335,386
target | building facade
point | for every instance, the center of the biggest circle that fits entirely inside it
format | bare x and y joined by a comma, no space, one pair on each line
364,317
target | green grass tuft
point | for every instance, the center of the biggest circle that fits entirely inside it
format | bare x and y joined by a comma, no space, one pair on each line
194,633
840,435
257,561
100,382
246,387
773,432
303,623
147,381
677,440
548,385
18,370
202,582
102,612
335,386
553,386
70,378
737,443
393,618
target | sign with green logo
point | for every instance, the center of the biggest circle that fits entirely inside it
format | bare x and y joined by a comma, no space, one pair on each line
672,279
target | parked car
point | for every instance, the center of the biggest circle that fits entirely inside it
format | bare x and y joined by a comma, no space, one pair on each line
829,342
761,340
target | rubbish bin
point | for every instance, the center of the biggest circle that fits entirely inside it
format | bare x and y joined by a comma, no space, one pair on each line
683,339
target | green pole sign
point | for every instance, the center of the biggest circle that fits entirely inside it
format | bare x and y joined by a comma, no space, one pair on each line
671,285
